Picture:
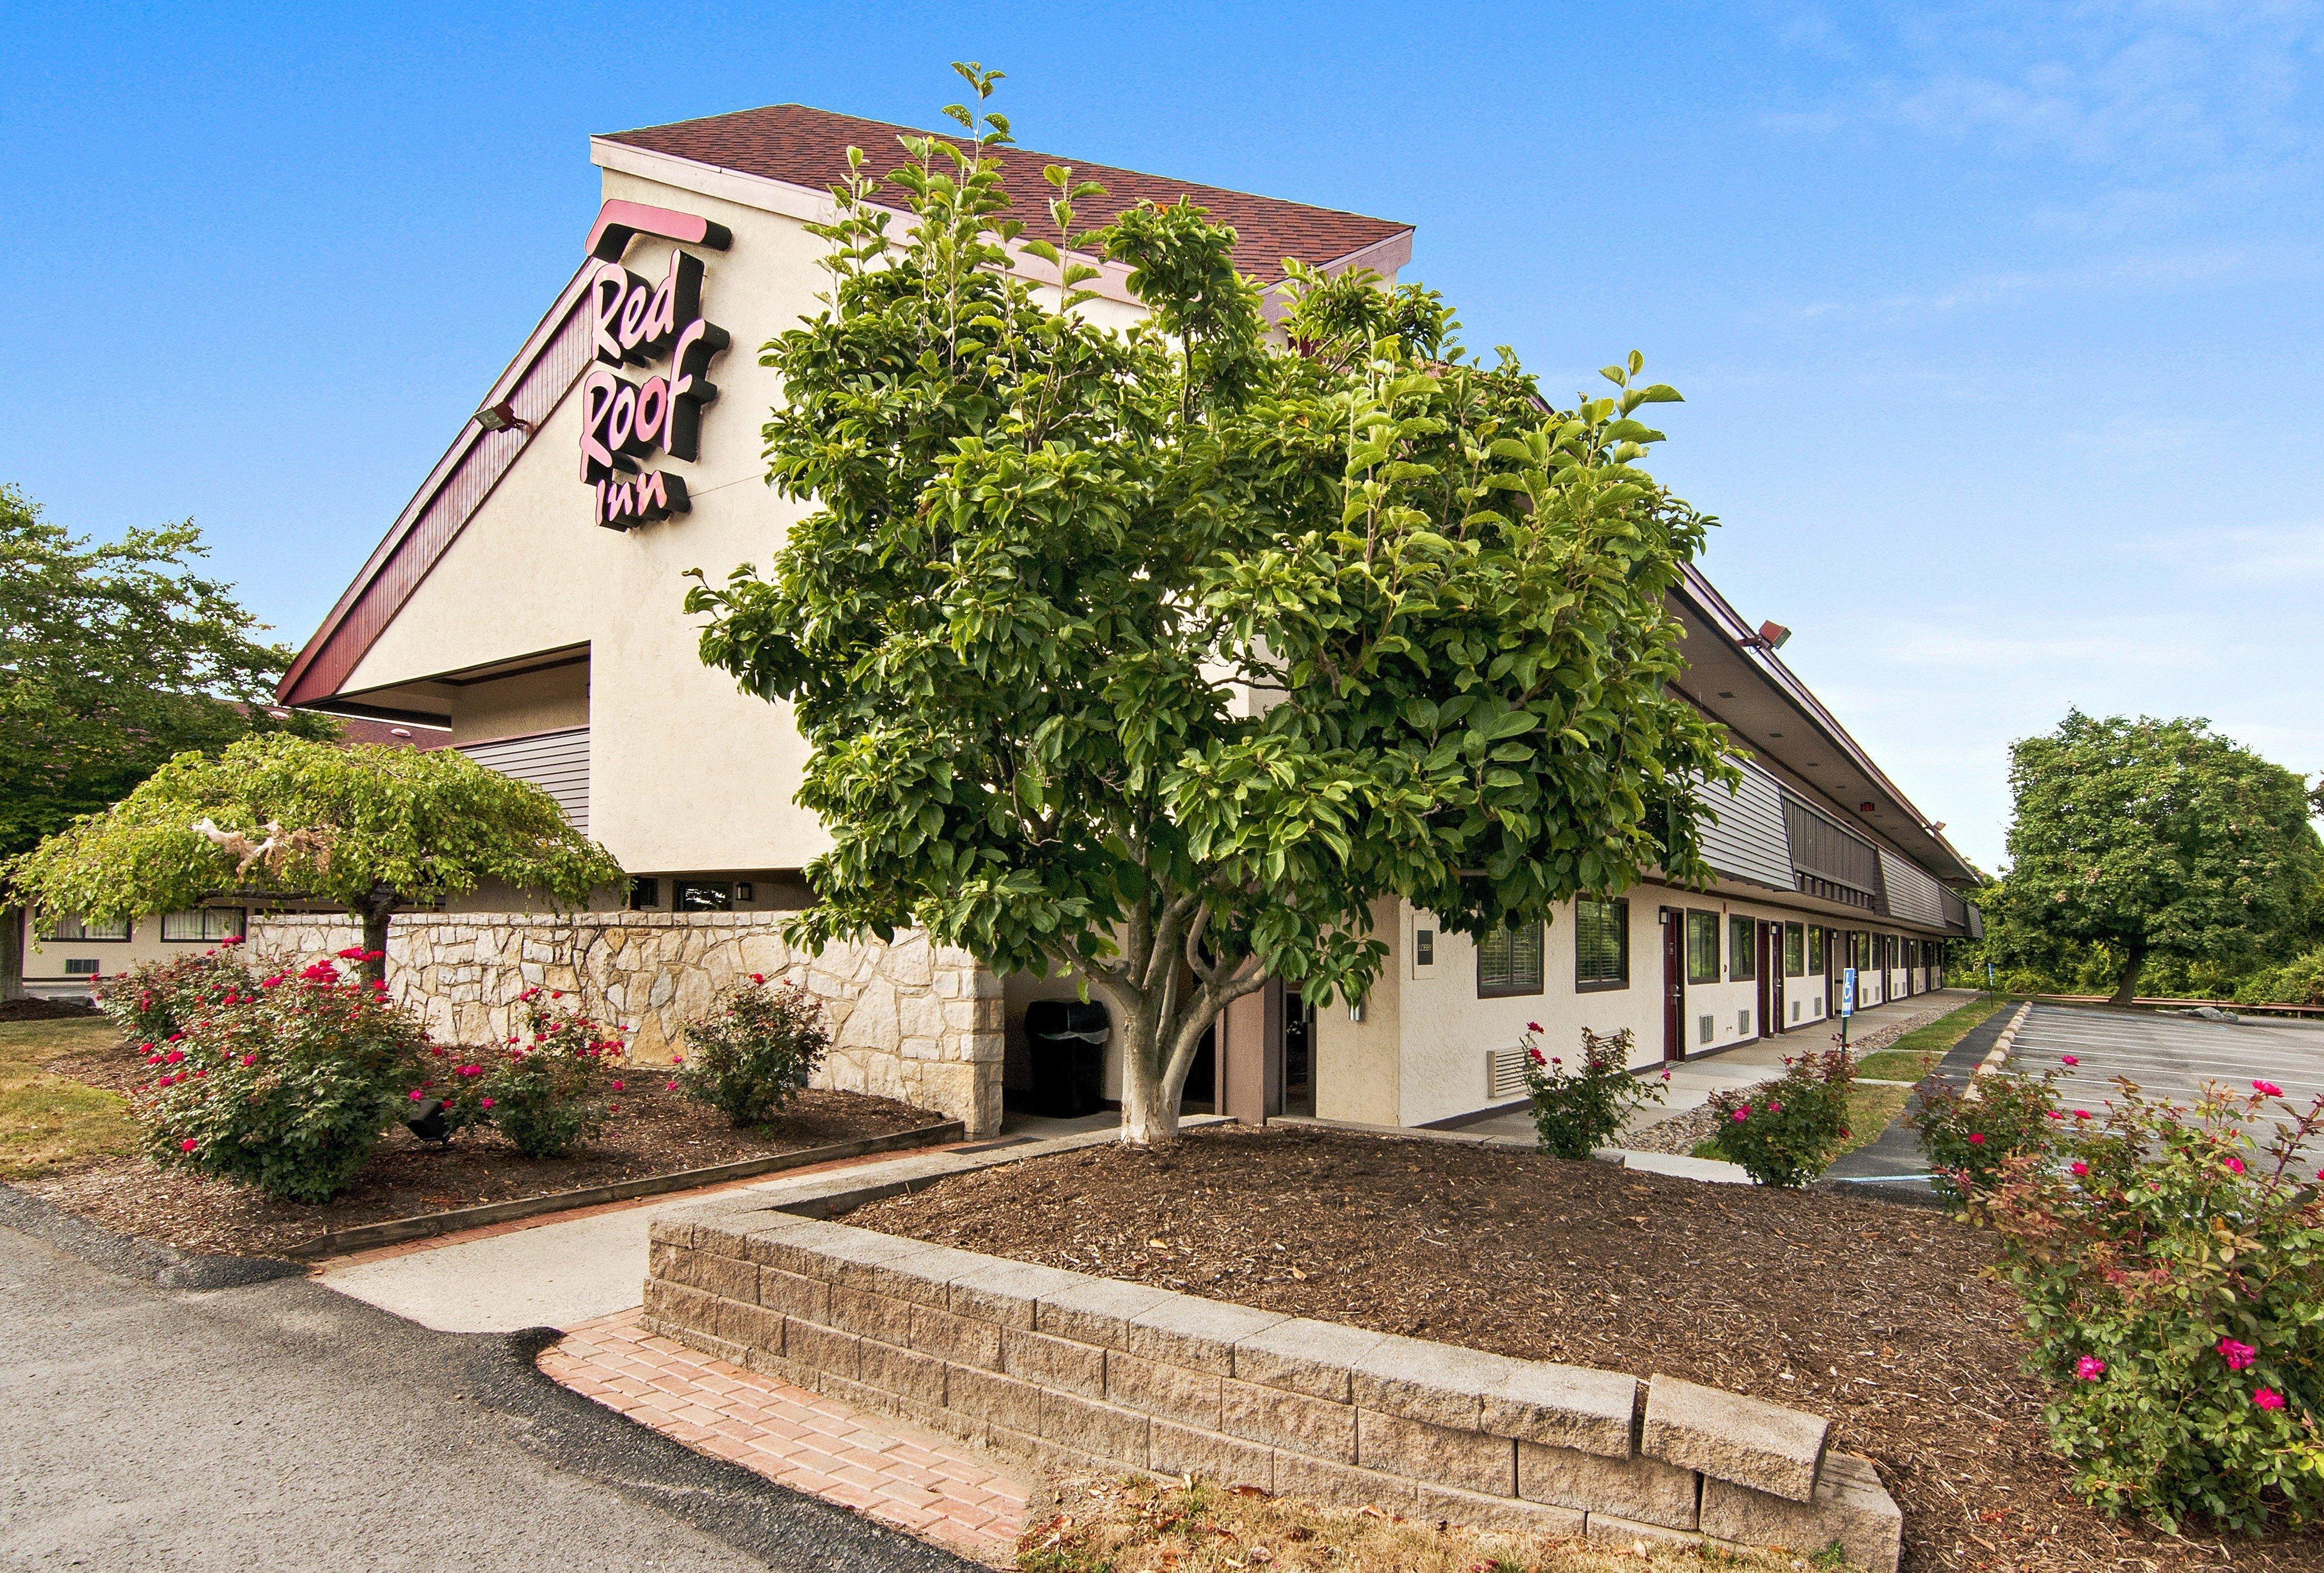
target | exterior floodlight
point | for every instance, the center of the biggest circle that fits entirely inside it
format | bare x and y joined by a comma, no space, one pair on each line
501,418
1772,635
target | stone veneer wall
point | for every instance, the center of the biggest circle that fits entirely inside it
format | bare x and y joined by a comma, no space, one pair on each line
911,1020
1092,1373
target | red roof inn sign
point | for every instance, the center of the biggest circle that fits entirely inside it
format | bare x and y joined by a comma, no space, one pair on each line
639,322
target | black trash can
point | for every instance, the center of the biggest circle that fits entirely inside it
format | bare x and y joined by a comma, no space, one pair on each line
1064,1040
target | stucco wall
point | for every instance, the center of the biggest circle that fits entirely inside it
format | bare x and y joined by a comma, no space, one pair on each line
911,1020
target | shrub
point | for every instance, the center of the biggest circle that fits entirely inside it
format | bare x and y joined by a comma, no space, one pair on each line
2299,981
284,1084
1786,1132
752,1049
155,998
2173,1278
1969,1137
1575,1111
547,1093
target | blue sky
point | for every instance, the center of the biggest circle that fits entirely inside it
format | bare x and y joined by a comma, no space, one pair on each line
1998,324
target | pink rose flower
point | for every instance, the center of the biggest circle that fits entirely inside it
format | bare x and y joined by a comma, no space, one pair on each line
250,1059
2235,1165
484,1102
1536,1057
1533,1026
2081,1114
416,1095
762,977
617,1087
2068,1060
2090,1368
2237,1355
669,1087
1744,1113
2267,1398
2268,1088
188,1145
174,1055
1977,1138
2081,1170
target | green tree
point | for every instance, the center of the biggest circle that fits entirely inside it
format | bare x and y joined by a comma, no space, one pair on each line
370,828
2154,839
1160,656
112,658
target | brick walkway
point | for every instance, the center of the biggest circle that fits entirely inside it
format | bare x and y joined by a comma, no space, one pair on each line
886,1469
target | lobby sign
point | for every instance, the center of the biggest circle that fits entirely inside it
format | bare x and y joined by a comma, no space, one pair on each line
656,326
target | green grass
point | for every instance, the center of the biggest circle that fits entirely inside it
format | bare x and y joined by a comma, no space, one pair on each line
49,1122
1916,1053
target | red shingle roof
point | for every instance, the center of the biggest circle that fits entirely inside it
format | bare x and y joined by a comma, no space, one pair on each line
808,147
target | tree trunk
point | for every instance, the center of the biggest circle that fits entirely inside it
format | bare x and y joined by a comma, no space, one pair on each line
2126,988
373,916
1162,1020
11,952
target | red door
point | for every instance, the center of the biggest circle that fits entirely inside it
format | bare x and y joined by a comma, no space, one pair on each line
1674,984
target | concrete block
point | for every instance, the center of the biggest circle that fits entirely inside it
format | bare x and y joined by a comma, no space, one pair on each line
1440,1383
804,1246
1315,1426
673,1302
1304,1356
858,1255
1343,1484
1195,1335
1437,1455
751,1326
1095,1310
925,1278
1442,1505
1850,1506
862,1395
1176,1449
1006,1293
819,1347
1000,1400
768,1364
713,1275
1617,1531
1054,1361
956,1339
806,1297
903,1373
1100,1430
1642,1488
1745,1441
1565,1406
869,1315
1164,1392
670,1231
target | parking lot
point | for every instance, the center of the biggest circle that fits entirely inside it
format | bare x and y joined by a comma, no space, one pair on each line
2169,1055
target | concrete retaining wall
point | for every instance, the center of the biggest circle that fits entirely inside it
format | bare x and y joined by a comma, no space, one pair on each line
1090,1373
911,1020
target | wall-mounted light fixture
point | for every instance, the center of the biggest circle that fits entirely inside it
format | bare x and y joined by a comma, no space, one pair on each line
501,417
1772,636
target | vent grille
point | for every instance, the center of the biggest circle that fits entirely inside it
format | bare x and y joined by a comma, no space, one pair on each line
1504,1074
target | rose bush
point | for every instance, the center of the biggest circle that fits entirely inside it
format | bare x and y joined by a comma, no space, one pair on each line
2172,1276
155,998
1786,1132
284,1082
549,1091
1970,1138
1576,1109
754,1047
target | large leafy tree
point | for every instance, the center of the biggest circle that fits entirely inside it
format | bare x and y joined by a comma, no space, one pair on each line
372,830
1163,656
112,658
2154,839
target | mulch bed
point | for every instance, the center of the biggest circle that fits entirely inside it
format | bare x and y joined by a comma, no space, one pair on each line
653,1132
1876,1315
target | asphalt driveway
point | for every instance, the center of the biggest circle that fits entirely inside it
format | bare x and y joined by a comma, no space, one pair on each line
277,1425
2169,1055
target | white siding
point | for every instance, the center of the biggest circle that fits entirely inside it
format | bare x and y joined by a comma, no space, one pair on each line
557,762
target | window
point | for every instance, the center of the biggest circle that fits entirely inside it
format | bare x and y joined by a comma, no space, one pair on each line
645,894
1702,949
80,967
1509,961
1742,947
1815,948
203,923
73,928
1602,945
702,895
1795,951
